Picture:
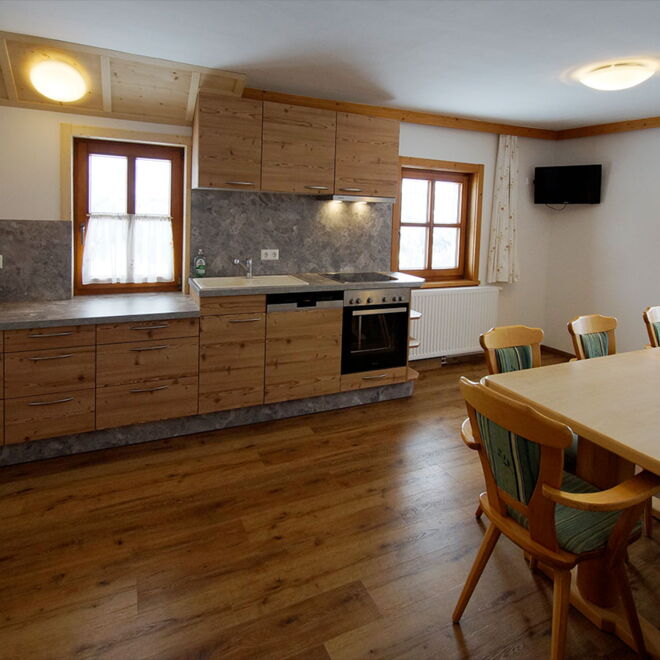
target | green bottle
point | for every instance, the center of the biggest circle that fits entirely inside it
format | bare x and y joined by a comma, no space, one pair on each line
200,263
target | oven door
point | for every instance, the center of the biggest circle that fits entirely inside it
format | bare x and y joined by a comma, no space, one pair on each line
374,338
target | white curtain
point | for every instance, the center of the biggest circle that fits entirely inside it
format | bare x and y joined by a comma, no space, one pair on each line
502,249
124,248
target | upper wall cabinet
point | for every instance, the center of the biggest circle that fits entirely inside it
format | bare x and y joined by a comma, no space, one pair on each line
298,149
367,158
227,143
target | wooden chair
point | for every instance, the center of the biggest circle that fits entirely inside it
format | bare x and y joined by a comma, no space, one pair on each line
544,510
651,316
593,336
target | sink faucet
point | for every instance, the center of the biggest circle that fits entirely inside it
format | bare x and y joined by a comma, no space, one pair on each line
247,266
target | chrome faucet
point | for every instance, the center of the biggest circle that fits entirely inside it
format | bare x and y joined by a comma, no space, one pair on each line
247,266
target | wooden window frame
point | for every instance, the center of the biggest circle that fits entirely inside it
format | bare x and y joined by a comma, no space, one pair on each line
471,175
82,148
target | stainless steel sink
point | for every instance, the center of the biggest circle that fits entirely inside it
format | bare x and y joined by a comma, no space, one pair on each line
205,283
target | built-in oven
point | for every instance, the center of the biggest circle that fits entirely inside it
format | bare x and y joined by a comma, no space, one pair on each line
375,330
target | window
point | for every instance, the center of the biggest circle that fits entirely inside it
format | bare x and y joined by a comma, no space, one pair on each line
128,216
435,228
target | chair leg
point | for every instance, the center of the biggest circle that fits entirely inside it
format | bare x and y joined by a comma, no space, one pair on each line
479,512
648,518
560,600
628,602
485,550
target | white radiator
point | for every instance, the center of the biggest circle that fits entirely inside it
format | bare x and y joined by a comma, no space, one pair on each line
452,319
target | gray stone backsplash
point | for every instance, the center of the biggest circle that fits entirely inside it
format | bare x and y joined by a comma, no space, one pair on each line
311,235
36,260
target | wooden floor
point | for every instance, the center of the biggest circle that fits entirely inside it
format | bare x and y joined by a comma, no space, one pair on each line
339,535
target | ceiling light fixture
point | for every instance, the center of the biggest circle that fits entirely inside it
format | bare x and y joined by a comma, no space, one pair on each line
58,81
617,75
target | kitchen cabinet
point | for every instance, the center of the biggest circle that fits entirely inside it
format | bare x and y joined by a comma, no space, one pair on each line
303,354
298,149
364,379
112,333
367,156
54,337
227,142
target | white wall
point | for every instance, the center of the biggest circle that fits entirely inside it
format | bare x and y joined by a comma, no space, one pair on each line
30,158
605,258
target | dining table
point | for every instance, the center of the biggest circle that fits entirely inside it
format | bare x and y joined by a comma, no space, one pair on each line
613,404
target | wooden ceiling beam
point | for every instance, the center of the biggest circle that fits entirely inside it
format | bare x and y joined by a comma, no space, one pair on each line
606,129
192,95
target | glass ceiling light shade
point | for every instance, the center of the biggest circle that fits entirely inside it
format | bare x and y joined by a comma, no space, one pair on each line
58,81
617,75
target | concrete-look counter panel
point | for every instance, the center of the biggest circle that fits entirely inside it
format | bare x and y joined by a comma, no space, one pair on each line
84,310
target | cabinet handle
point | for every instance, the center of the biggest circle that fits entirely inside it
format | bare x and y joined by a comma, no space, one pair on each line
150,327
49,403
150,348
50,334
375,377
239,183
149,389
316,187
351,189
243,320
50,357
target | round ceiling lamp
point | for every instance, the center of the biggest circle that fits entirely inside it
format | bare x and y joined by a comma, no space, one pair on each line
58,81
617,75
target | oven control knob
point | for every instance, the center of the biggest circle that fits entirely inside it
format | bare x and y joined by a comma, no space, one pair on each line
370,300
400,298
393,298
384,299
350,302
357,301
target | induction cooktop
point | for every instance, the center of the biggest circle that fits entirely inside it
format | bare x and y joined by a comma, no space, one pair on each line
348,278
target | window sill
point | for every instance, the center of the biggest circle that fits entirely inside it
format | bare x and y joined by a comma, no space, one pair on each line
443,284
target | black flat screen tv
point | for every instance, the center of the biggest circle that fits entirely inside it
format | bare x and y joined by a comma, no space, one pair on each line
572,184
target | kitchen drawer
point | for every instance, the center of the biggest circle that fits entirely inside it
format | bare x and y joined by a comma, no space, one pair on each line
135,362
34,339
46,372
135,404
112,333
365,379
2,380
233,328
48,416
213,305
2,422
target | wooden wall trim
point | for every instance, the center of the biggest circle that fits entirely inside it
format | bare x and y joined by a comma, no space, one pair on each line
410,116
606,129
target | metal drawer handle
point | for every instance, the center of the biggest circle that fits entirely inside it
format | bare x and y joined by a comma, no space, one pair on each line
150,327
243,320
316,187
375,377
50,334
50,357
149,389
351,189
49,403
151,348
239,183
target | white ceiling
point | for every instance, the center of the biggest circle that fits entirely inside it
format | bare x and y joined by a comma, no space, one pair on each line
502,60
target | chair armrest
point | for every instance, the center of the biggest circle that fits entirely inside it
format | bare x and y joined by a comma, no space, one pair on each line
622,496
466,434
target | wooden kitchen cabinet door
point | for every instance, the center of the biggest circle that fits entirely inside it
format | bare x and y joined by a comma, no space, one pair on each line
227,143
367,159
303,354
298,149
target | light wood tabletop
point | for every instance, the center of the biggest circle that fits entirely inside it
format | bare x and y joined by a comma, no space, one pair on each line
613,401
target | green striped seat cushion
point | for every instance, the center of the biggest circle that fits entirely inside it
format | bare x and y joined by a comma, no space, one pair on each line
594,344
656,329
513,358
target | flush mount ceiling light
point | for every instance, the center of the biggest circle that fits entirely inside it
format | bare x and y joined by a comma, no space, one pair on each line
58,81
617,75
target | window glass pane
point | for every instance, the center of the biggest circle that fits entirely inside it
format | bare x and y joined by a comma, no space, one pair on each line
107,183
445,247
414,200
152,186
447,201
412,248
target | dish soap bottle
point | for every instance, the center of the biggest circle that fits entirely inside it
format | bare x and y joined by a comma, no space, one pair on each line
199,263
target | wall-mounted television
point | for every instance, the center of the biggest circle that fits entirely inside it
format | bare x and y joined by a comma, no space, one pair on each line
572,184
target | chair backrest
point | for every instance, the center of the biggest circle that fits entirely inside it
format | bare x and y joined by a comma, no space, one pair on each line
593,336
651,316
520,449
511,348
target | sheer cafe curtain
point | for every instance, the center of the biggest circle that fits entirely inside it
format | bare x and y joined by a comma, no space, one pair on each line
124,248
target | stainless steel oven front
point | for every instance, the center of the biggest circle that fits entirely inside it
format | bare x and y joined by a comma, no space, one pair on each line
375,330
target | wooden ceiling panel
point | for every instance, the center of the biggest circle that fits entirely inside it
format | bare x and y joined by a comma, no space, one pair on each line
24,55
3,87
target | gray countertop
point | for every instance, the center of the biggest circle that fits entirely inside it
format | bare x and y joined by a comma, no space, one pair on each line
315,282
84,310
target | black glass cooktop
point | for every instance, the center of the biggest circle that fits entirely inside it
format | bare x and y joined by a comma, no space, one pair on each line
347,278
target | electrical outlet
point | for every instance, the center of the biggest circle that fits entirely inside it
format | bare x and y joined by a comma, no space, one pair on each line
270,255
